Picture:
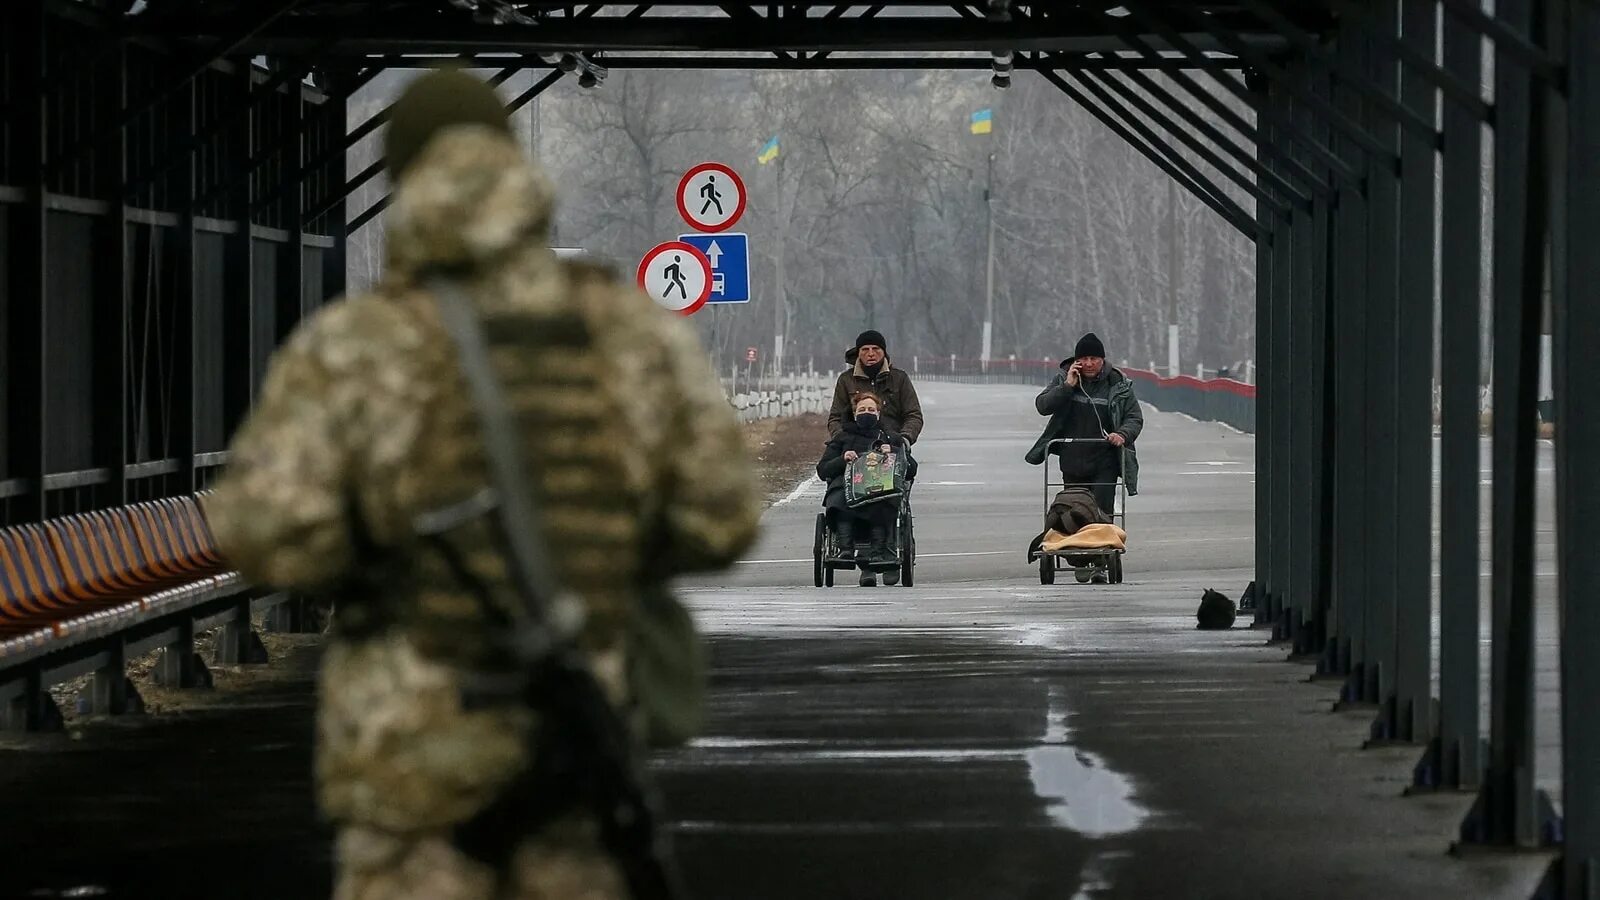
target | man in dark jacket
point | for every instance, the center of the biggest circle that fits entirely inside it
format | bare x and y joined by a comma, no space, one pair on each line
872,372
1091,400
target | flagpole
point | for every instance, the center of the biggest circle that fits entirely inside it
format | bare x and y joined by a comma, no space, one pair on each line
988,312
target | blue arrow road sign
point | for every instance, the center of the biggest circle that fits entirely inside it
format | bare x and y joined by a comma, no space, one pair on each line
730,264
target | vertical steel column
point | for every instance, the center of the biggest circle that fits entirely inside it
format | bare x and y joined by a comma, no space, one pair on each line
1577,334
1319,487
1310,343
1410,716
111,312
1509,811
238,309
26,416
334,119
1383,251
1455,759
1285,247
183,304
292,281
1300,410
1350,373
1265,268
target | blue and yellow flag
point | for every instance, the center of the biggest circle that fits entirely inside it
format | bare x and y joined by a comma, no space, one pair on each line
982,122
769,152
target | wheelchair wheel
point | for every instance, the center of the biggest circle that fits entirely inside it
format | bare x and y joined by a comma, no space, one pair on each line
908,555
1047,569
819,547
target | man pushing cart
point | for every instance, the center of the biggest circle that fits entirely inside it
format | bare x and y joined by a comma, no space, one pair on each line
1094,421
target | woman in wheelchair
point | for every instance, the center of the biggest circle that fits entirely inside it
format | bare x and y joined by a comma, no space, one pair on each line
860,435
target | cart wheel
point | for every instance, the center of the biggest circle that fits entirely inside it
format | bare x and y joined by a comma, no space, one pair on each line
1047,570
908,557
1116,569
819,547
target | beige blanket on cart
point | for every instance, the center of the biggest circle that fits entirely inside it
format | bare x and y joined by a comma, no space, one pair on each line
1089,537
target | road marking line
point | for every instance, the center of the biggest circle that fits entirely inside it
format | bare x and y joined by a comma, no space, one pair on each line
799,491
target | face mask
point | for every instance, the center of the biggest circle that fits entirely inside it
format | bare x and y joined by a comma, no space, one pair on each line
867,421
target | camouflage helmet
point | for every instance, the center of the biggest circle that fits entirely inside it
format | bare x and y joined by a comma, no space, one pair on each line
444,97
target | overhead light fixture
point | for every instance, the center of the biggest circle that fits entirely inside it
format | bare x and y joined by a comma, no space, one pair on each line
1002,69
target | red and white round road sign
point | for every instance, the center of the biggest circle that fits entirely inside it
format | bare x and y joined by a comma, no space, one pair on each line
711,197
677,276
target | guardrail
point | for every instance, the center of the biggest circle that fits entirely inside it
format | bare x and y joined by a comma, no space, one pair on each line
787,395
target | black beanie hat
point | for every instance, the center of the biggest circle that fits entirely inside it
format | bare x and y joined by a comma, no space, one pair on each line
1089,345
442,98
875,338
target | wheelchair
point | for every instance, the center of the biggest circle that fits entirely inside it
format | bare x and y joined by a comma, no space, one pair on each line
902,540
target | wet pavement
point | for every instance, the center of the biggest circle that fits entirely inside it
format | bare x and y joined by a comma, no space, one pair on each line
977,736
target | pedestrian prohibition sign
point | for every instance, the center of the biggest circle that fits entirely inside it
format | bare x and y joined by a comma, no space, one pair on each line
677,276
711,197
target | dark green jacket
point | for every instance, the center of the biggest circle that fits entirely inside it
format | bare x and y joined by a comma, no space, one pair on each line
1126,418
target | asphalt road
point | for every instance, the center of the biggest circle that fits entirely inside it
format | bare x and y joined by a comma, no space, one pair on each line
984,736
976,736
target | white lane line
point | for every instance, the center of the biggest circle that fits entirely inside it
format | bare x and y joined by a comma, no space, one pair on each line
799,491
1214,462
1219,472
954,483
753,562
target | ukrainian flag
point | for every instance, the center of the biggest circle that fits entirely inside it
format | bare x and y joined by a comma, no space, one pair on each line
769,152
982,122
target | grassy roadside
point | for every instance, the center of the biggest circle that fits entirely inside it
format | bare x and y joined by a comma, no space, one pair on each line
785,451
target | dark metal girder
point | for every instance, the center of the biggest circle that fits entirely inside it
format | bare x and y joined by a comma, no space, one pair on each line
1507,40
1250,132
372,170
517,103
1576,314
226,44
1160,120
1298,89
838,11
1145,12
1312,52
763,35
259,95
1215,135
826,62
1468,95
1175,167
333,105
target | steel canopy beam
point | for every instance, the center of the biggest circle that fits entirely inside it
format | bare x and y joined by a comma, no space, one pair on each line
759,34
825,61
1176,168
372,211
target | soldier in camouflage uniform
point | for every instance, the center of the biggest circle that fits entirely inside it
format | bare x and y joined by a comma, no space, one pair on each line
365,421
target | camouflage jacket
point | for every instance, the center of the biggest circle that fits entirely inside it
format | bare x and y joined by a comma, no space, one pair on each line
365,421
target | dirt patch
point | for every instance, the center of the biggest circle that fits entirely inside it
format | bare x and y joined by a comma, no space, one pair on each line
786,451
